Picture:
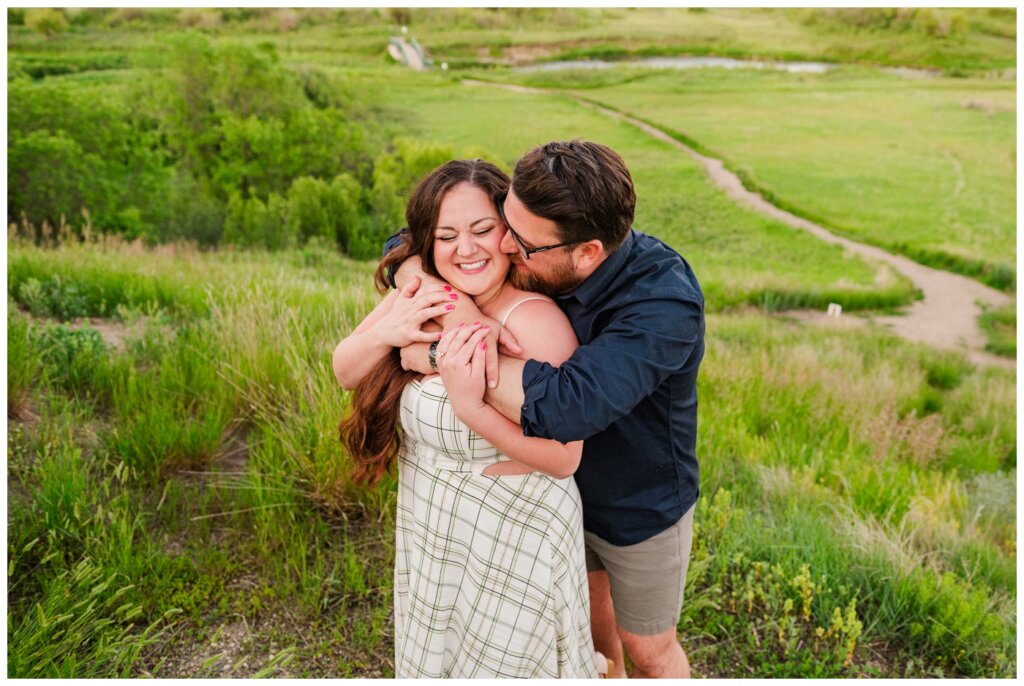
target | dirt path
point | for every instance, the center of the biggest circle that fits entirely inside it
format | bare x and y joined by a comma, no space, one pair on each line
947,316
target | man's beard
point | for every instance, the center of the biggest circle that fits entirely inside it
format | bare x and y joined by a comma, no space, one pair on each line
562,280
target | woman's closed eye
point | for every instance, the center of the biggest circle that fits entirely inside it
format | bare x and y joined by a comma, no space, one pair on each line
449,237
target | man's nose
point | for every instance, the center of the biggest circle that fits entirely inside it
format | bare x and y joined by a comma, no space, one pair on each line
508,244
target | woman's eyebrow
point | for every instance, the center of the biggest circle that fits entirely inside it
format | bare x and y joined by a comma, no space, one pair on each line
482,219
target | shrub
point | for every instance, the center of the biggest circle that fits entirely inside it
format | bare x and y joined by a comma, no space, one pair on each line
251,222
53,298
394,175
316,208
70,150
50,177
49,22
73,357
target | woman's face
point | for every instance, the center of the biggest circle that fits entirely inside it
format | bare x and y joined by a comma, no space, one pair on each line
467,241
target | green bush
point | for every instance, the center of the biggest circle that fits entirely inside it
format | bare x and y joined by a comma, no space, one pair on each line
38,66
251,222
928,21
394,174
69,151
49,22
53,298
778,619
1000,326
73,357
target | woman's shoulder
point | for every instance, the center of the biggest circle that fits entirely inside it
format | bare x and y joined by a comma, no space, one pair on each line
518,301
541,328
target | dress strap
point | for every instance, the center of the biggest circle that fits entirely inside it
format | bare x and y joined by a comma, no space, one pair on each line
517,304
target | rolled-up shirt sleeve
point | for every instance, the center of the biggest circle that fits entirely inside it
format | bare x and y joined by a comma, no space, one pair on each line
605,379
393,241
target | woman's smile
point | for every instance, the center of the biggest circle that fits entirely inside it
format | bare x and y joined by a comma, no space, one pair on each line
474,267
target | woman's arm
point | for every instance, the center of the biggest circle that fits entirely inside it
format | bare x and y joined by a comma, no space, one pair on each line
396,322
545,334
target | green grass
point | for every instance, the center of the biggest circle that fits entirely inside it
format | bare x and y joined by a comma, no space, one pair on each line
179,504
201,468
983,40
1000,325
922,167
782,267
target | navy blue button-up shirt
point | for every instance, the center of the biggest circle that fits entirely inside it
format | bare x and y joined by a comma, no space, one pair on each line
629,390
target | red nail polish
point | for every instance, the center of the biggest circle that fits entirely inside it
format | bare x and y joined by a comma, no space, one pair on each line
440,336
483,345
447,288
462,325
476,323
454,296
449,307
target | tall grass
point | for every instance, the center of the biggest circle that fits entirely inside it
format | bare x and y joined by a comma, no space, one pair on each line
23,362
871,461
870,511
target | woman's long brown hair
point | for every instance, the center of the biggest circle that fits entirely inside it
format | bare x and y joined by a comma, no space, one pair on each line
370,431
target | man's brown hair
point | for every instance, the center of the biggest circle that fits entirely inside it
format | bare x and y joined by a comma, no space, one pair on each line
584,187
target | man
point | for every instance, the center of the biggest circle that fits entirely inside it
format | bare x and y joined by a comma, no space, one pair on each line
629,390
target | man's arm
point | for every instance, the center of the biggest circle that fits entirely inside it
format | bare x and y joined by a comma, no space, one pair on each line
605,379
507,396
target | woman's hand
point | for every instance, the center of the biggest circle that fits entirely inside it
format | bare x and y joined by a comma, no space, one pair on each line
460,361
410,310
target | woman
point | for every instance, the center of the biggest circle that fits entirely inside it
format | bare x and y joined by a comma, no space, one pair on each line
490,579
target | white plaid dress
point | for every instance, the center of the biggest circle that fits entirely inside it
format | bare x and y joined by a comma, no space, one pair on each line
490,577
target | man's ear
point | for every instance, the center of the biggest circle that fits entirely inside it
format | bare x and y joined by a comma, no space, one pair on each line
589,255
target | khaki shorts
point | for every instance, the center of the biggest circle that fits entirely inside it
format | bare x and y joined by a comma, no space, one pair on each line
647,579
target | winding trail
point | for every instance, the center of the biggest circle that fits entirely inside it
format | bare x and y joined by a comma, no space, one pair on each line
945,318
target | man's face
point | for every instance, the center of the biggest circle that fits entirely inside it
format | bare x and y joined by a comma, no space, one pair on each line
551,272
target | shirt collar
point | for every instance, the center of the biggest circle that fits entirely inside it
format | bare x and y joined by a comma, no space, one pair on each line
601,280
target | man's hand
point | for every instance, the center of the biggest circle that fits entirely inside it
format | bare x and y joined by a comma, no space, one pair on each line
508,468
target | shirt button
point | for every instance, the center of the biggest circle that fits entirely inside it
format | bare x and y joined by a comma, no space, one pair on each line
525,408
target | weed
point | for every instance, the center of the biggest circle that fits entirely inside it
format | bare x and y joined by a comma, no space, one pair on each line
82,628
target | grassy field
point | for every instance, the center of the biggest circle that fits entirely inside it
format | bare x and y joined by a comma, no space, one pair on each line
178,501
960,41
925,167
781,266
179,458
